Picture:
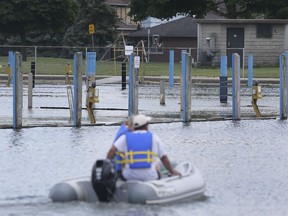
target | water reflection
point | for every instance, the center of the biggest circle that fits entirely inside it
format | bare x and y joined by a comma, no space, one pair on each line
76,137
16,138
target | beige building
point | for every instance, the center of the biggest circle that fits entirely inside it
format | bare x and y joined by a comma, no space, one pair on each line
265,39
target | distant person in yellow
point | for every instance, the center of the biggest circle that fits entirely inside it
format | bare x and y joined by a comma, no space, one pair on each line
68,71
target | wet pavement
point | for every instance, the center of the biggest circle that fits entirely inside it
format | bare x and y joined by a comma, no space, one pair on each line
51,107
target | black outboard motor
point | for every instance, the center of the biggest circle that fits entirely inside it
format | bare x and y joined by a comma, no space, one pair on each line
104,179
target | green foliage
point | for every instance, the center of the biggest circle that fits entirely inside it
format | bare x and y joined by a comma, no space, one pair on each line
234,9
95,12
165,9
270,9
20,17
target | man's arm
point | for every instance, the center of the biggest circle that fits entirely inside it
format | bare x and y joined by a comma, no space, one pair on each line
168,166
111,153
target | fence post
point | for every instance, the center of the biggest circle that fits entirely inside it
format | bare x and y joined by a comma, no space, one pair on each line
136,84
35,59
162,91
131,85
30,90
33,72
123,73
236,86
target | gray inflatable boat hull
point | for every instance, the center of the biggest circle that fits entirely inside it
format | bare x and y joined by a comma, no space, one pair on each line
166,190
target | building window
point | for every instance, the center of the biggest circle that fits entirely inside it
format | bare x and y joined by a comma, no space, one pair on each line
264,30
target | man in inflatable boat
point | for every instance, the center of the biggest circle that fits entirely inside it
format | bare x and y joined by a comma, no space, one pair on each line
136,150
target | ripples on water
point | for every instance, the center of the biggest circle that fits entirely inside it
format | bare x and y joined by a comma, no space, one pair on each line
244,164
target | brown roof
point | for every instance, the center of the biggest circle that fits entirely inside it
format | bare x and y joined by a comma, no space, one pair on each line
122,26
183,27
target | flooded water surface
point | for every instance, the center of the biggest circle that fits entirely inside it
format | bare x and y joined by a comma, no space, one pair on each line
244,165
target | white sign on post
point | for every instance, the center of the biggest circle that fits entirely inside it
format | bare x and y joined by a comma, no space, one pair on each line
128,50
137,62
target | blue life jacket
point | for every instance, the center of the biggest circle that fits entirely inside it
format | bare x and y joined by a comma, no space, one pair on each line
139,150
122,130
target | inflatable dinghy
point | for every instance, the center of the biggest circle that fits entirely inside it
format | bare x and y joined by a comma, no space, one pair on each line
165,190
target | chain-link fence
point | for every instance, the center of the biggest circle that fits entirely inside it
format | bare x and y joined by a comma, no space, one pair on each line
52,60
113,102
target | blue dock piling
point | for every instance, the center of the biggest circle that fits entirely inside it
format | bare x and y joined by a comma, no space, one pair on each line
77,80
223,80
171,68
91,64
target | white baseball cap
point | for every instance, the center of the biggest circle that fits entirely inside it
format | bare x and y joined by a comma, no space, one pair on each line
140,120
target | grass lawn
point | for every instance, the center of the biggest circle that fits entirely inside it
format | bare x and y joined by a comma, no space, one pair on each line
57,66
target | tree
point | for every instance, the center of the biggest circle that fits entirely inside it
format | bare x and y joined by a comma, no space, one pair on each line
234,9
165,9
270,9
20,17
95,12
252,9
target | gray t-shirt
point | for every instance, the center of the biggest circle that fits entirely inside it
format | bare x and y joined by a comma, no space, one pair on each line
146,173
